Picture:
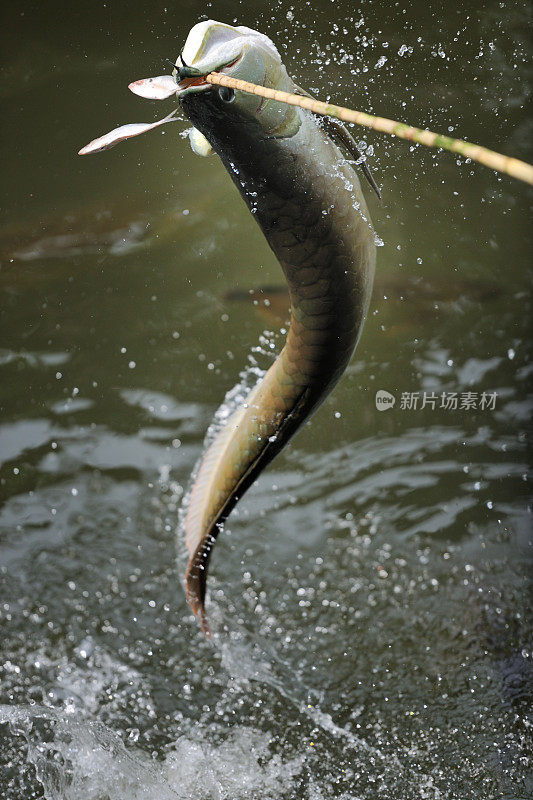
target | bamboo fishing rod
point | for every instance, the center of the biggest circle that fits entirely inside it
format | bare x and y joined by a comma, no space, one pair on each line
497,161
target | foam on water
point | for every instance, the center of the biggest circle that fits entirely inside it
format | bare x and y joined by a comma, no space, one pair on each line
76,758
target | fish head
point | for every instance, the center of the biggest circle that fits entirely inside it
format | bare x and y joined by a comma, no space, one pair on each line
217,112
238,52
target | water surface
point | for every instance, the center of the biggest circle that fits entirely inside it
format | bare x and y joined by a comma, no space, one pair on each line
370,592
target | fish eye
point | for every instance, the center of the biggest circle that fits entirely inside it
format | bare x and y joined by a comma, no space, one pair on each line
226,95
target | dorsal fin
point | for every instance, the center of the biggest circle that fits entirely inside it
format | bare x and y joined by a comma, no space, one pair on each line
339,132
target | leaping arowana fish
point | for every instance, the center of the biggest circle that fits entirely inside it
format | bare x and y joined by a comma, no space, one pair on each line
308,202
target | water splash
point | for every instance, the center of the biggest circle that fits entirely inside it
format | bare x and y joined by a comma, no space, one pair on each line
76,758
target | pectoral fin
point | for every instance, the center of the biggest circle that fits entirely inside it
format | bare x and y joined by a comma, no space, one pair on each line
199,143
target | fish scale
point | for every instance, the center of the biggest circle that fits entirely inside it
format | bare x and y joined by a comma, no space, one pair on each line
328,260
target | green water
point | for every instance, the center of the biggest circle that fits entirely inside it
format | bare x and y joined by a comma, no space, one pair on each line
370,591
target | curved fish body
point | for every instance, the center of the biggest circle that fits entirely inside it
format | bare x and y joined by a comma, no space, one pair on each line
307,200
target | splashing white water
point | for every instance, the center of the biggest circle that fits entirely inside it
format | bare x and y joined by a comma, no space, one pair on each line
76,758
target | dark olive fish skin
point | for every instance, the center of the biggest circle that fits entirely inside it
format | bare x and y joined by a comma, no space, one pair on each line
307,200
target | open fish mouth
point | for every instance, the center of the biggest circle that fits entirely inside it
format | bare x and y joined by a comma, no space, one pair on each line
184,80
189,83
158,88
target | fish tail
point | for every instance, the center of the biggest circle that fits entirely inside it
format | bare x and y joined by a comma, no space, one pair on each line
251,438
